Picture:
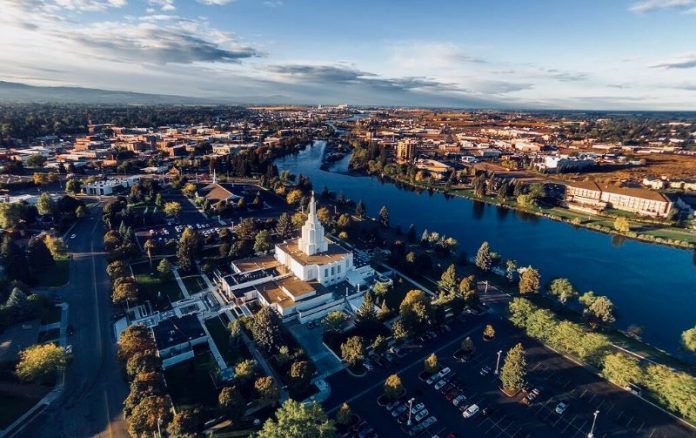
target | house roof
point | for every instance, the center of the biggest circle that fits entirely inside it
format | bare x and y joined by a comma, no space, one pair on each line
215,192
175,331
254,263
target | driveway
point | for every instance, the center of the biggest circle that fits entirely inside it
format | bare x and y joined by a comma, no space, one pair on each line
311,340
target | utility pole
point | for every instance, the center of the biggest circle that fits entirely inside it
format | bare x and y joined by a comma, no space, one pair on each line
497,362
594,420
410,409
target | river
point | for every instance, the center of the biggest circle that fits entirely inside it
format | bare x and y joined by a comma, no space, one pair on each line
651,285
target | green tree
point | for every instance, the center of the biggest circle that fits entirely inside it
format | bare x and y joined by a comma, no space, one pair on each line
298,420
484,259
267,391
380,289
353,351
38,256
400,331
379,345
603,309
510,270
384,216
164,268
135,338
519,311
263,241
151,412
360,209
448,279
40,362
366,315
56,245
285,229
622,369
622,225
294,196
300,374
45,204
143,362
245,371
334,321
415,309
563,289
430,364
125,291
189,189
35,160
689,339
467,345
344,416
185,424
73,186
488,332
393,388
149,247
172,209
529,281
514,370
266,329
232,403
540,324
117,269
188,248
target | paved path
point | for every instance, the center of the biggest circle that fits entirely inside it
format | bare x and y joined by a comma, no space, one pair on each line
213,348
180,282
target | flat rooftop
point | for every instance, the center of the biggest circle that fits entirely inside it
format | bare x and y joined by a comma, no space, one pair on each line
255,263
175,331
333,254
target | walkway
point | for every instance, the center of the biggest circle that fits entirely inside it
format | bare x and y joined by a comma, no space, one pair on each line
213,348
311,340
181,284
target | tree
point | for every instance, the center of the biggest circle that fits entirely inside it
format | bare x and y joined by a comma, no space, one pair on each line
285,229
263,241
514,370
300,374
189,189
415,309
510,270
488,332
622,225
379,345
324,216
622,369
35,160
366,316
353,350
267,391
360,209
334,320
467,345
56,245
539,324
73,186
124,292
384,216
149,246
40,362
143,362
529,281
164,268
344,416
484,259
172,209
519,310
603,309
448,279
689,339
10,214
185,424
45,204
145,418
294,196
298,420
380,289
38,256
393,388
135,338
430,364
188,249
400,331
587,299
266,329
232,403
117,269
563,289
245,371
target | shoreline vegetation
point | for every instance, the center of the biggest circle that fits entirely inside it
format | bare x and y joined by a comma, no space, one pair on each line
658,232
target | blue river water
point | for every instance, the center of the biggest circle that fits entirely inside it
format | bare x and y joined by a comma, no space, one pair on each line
652,286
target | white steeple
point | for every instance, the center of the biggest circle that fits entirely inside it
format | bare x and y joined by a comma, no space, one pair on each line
313,240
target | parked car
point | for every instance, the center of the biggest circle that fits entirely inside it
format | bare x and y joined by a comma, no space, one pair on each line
399,410
461,398
451,394
417,408
471,411
440,384
561,408
421,415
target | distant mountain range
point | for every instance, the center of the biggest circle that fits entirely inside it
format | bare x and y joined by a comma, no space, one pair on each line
23,93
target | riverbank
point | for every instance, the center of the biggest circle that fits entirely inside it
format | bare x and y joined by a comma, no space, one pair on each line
649,232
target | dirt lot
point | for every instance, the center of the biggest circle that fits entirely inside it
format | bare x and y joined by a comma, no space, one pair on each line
674,167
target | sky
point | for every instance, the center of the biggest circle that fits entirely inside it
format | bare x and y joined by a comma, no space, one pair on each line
557,54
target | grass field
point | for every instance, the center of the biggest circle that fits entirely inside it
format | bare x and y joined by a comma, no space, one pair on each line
193,283
191,382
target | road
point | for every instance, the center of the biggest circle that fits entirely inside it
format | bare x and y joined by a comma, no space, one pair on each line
92,400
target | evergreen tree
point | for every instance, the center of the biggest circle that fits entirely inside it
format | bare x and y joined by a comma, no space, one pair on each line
484,259
514,370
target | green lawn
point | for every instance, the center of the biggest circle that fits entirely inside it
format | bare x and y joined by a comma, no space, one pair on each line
398,292
153,286
221,337
191,382
13,407
56,275
193,283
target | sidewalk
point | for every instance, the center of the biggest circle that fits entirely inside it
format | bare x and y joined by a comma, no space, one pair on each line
181,284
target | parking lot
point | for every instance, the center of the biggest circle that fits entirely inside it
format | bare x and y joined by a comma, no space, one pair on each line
556,378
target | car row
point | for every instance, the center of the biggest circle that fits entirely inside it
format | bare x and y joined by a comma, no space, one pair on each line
413,416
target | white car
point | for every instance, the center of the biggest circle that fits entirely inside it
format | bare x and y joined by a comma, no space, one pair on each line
470,411
417,408
399,410
421,415
561,408
461,398
72,236
440,384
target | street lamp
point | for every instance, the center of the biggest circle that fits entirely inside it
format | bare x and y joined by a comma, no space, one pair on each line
497,362
410,409
594,420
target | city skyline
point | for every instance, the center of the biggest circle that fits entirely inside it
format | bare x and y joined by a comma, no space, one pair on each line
564,55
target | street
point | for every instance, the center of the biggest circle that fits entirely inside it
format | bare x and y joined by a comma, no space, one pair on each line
92,400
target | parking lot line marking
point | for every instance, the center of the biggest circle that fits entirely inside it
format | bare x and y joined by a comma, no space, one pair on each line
641,426
652,432
629,422
600,405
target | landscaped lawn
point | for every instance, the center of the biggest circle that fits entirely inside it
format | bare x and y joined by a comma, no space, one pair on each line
56,275
150,284
13,407
194,283
191,382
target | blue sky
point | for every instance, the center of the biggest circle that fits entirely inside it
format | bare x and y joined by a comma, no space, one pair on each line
610,54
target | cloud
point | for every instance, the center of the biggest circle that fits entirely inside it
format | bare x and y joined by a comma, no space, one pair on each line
84,5
645,6
216,2
681,62
566,76
164,5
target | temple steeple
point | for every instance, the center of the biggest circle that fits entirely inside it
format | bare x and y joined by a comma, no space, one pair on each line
312,240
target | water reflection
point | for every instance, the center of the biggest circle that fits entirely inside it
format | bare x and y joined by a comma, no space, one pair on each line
477,209
501,212
617,240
